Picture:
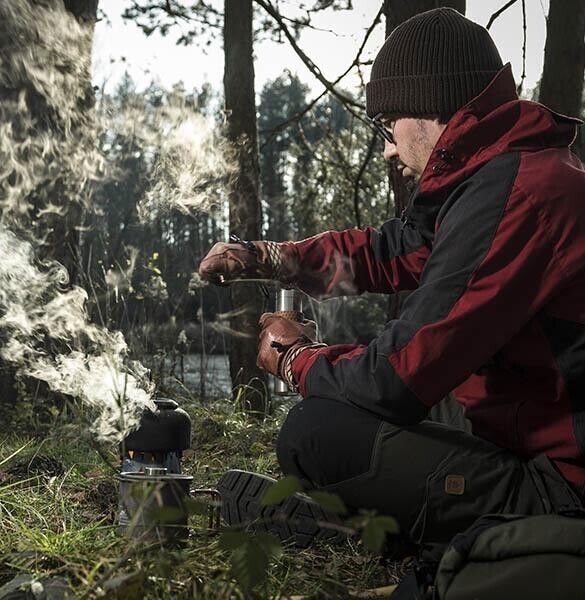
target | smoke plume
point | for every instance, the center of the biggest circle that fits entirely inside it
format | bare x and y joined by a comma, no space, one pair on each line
189,162
39,315
47,134
49,160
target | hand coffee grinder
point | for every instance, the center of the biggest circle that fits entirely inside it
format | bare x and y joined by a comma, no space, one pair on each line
289,304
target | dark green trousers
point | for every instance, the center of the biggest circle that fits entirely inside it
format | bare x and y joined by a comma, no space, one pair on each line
434,479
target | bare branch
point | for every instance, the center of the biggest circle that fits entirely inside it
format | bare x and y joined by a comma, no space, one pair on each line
320,6
153,7
499,12
523,76
296,117
356,62
145,14
308,25
348,102
356,185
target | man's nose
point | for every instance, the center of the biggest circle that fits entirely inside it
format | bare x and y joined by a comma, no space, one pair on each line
390,151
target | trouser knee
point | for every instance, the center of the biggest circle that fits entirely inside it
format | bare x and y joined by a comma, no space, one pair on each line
325,441
289,443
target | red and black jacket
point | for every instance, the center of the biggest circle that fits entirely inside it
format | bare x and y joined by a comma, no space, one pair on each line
493,245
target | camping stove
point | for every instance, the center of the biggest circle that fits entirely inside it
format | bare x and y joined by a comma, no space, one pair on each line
160,440
153,492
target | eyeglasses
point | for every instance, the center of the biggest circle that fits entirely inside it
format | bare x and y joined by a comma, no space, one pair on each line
382,129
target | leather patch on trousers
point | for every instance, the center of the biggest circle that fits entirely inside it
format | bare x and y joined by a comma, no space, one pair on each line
455,485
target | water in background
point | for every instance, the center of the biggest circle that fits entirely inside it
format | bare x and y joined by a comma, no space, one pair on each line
217,380
216,374
186,370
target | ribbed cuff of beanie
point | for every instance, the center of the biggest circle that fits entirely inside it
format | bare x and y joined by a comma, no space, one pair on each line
424,94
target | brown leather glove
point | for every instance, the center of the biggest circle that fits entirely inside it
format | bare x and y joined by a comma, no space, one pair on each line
250,260
281,341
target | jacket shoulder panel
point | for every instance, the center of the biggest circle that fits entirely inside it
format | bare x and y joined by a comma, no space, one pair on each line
468,224
497,176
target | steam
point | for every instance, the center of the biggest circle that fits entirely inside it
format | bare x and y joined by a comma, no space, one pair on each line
189,162
49,160
119,279
191,171
46,133
38,316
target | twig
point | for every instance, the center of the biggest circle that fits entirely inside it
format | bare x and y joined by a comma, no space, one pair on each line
296,117
356,187
368,33
338,155
177,12
301,23
523,76
381,592
499,12
355,62
349,103
136,548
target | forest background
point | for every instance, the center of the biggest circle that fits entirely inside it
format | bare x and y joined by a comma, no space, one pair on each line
320,166
113,187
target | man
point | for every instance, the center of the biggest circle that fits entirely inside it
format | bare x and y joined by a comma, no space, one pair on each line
493,246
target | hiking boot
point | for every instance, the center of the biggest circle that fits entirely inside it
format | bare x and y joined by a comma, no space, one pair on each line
297,519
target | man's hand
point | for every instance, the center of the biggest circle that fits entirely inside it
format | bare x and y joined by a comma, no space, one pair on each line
252,260
278,337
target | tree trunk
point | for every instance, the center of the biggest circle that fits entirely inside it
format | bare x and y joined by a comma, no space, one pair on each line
83,10
561,86
396,12
274,192
249,382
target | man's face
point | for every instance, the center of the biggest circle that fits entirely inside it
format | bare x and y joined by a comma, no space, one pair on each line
414,140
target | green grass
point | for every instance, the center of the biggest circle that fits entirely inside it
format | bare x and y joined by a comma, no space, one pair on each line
58,501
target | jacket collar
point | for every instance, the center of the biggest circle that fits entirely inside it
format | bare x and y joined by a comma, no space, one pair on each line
492,123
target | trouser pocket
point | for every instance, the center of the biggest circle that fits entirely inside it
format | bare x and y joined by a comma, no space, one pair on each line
464,487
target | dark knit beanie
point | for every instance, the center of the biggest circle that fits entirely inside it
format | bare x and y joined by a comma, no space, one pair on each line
432,64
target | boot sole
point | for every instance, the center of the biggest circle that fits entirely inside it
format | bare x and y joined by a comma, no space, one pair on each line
297,519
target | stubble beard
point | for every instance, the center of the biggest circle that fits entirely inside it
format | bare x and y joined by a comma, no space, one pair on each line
419,152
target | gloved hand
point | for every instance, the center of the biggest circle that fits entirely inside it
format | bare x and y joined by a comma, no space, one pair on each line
248,260
281,341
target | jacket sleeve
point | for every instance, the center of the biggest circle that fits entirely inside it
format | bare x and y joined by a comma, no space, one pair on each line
491,269
354,261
